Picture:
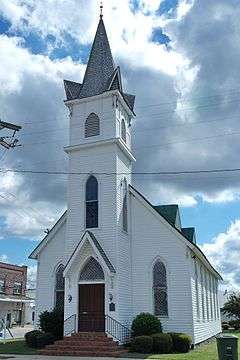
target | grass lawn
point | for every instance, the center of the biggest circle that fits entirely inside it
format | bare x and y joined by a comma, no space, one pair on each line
203,352
17,347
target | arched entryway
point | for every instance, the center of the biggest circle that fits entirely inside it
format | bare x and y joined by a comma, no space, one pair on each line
91,297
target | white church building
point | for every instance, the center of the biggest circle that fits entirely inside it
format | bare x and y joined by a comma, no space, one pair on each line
113,254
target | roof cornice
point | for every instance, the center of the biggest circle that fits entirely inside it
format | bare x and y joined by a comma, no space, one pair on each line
118,141
105,94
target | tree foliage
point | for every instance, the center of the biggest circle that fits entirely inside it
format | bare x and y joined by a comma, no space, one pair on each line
232,306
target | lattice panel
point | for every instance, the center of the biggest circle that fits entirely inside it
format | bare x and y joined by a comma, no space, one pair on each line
92,271
159,275
60,278
59,300
160,302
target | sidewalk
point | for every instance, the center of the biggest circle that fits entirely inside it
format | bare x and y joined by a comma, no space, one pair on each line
19,332
38,357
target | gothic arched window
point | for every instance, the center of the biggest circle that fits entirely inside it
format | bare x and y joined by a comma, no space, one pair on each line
124,207
59,288
91,271
160,294
123,131
91,202
92,125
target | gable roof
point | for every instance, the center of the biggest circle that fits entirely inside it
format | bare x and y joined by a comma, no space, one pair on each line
189,233
169,212
88,235
34,254
101,74
72,89
192,245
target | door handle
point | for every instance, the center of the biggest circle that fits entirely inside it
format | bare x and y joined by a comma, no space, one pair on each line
84,313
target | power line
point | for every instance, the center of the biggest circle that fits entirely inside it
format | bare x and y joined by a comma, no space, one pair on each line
141,146
136,130
203,106
183,172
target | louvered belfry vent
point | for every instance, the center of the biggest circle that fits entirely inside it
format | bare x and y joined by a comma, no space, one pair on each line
92,126
92,271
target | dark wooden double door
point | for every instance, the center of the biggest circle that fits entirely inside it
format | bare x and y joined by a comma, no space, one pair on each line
91,307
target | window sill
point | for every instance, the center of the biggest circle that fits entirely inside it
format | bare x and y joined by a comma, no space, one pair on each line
91,229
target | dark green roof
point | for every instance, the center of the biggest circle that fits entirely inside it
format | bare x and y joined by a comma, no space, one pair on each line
189,233
169,212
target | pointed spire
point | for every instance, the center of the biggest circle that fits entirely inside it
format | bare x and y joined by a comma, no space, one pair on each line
101,10
100,65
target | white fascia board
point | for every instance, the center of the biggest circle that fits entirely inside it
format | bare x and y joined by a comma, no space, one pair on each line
118,141
48,237
106,94
76,251
189,245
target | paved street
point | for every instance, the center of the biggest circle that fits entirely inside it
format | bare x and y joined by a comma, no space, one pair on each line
38,357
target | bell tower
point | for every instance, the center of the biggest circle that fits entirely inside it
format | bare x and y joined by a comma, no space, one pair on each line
100,156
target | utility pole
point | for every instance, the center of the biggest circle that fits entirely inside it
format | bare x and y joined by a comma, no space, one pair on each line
9,142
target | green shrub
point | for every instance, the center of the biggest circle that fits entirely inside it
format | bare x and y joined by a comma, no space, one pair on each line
44,339
52,322
181,342
142,344
146,324
162,343
31,338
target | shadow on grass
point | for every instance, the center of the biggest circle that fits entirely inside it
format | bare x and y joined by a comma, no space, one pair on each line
16,347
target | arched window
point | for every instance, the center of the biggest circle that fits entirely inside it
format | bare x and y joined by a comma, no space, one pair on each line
197,288
203,294
124,207
92,271
160,289
92,125
59,288
91,202
123,131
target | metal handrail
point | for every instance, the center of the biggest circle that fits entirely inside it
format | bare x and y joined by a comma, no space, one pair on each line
117,330
70,325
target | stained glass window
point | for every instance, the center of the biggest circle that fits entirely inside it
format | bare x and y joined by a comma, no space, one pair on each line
160,289
92,202
59,288
124,207
92,270
123,131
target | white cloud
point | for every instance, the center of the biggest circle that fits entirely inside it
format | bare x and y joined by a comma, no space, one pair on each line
31,277
24,216
4,258
223,252
197,66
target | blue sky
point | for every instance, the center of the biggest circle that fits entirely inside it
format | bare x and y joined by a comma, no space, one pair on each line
169,63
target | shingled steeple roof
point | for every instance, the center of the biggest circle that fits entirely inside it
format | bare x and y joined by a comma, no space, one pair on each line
101,74
100,65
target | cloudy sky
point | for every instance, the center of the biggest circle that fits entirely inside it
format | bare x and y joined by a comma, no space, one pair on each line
180,58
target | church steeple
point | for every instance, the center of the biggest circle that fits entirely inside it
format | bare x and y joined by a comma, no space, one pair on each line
101,74
100,65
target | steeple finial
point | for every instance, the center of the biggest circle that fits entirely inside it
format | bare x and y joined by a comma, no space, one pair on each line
101,10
